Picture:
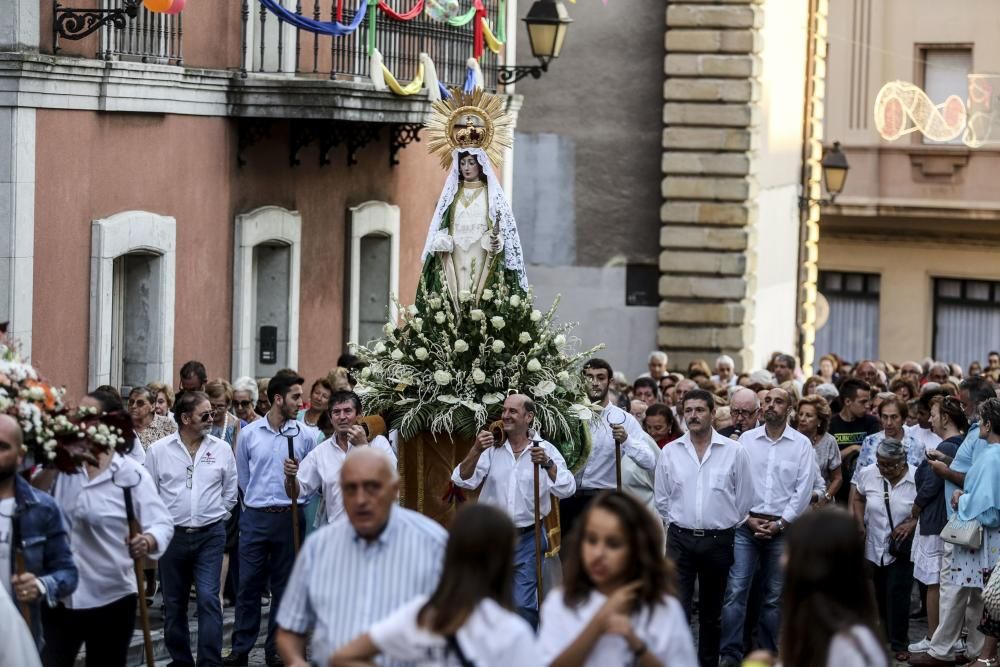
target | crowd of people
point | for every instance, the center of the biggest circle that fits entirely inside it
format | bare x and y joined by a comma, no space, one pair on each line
788,517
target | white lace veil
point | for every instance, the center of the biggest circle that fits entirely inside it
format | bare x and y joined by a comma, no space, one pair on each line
500,212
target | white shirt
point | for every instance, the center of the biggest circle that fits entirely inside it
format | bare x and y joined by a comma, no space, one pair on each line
925,436
19,648
599,472
637,481
664,629
510,481
714,493
783,471
138,452
95,516
490,636
320,471
211,493
869,482
7,506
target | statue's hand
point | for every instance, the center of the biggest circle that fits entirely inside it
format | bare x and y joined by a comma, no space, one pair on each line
494,244
443,242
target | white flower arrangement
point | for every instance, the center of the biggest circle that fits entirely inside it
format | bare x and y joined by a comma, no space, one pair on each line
448,371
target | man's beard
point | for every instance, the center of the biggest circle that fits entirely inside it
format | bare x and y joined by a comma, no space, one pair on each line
773,419
7,473
597,395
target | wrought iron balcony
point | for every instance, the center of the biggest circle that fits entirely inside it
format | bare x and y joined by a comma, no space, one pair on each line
126,31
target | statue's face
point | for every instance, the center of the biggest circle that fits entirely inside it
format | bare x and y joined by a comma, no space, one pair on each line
469,168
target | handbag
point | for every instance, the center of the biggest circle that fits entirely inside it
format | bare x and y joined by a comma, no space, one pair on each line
899,547
991,593
967,534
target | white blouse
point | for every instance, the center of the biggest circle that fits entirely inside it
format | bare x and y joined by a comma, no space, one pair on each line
491,636
664,630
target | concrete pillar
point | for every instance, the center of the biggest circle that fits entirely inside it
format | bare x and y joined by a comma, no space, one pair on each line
19,25
17,221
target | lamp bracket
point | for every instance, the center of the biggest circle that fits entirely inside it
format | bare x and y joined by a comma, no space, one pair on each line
74,23
509,74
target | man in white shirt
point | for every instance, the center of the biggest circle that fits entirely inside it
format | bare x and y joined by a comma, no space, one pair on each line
507,476
612,425
703,491
783,467
195,475
320,469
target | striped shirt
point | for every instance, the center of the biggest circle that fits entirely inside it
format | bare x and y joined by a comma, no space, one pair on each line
342,584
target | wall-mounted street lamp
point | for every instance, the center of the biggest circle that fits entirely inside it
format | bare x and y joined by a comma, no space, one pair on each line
835,169
547,22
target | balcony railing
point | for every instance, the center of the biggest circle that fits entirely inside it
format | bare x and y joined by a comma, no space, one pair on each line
272,47
148,38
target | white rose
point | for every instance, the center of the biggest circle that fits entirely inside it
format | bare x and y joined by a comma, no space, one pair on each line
543,388
366,372
515,301
380,348
420,353
411,309
534,366
464,296
525,337
448,398
388,328
498,346
442,377
559,340
497,322
478,376
397,354
492,399
418,324
439,317
461,346
487,294
536,315
434,302
476,315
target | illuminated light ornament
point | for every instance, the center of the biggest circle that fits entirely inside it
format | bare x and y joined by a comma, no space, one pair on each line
902,108
441,10
983,125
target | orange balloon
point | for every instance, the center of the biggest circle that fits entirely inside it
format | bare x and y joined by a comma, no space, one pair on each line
176,7
157,6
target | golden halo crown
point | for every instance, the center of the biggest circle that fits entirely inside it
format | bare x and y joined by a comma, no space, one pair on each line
469,120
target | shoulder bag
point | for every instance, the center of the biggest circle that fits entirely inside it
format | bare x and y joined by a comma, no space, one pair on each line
967,534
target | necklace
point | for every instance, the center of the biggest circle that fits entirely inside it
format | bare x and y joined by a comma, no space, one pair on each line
467,200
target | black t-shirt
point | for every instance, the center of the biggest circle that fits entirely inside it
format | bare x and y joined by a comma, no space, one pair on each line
848,433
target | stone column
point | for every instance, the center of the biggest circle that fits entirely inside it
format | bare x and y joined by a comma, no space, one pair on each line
708,256
17,221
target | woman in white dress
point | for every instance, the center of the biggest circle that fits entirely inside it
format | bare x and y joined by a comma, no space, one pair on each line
468,619
616,606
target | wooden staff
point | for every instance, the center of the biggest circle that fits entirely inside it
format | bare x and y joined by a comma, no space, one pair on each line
294,495
19,565
618,465
538,541
140,579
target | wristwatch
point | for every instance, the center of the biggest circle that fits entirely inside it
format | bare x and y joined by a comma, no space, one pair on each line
547,465
782,524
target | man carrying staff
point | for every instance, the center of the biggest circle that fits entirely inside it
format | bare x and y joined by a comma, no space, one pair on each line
613,425
508,471
266,537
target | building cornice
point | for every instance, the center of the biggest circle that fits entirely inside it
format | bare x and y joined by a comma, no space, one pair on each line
42,81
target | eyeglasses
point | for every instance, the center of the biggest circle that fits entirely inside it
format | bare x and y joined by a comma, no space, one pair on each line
243,405
741,413
137,403
190,477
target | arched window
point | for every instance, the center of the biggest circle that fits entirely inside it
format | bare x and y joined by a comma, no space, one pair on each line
132,269
374,266
266,268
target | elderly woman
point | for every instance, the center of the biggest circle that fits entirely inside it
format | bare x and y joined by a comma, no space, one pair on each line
263,403
244,399
980,501
883,508
809,387
163,398
904,388
225,425
813,419
892,414
949,422
148,425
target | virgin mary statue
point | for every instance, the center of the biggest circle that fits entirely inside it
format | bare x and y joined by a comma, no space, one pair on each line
472,234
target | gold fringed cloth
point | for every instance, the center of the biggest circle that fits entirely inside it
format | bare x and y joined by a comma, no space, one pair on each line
425,467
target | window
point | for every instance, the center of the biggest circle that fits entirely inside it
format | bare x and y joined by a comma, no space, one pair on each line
966,320
374,269
946,73
132,299
851,331
266,291
642,285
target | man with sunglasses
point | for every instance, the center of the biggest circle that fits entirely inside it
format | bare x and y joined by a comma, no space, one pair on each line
195,475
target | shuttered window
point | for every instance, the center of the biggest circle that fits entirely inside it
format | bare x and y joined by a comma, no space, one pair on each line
851,331
966,320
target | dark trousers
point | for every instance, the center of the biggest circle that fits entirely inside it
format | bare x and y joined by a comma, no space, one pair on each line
707,559
893,587
266,555
106,631
193,558
571,508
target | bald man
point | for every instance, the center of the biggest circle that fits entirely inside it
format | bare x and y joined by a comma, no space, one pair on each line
744,406
353,573
33,524
506,472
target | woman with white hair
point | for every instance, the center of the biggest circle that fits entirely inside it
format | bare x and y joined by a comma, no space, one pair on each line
883,508
244,399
